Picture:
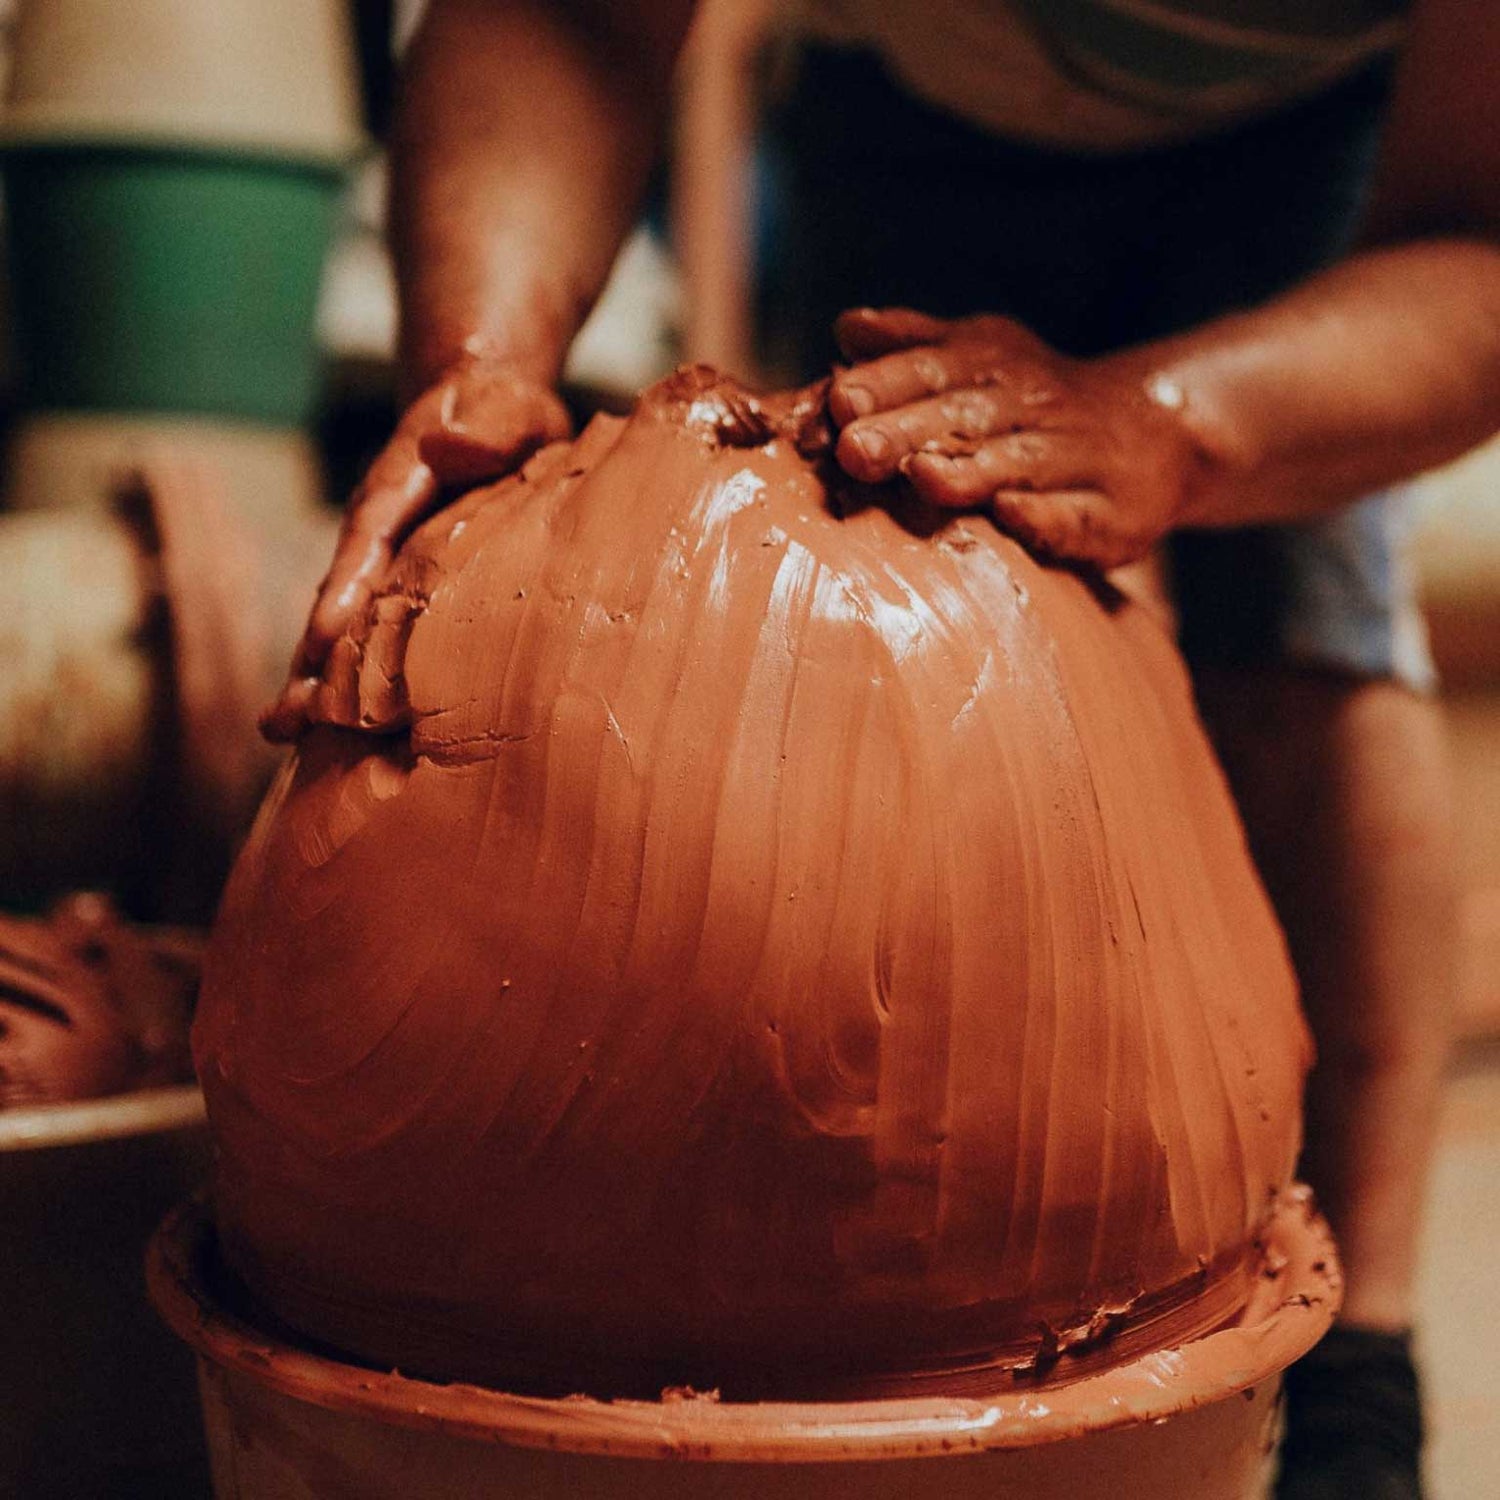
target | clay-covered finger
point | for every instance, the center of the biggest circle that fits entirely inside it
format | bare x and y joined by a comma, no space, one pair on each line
896,380
873,449
461,433
284,720
864,332
397,492
388,506
486,429
1070,525
1025,460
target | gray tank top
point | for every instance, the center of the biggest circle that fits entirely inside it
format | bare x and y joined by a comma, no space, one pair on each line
1109,73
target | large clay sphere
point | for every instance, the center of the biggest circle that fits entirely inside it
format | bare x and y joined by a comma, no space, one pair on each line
723,930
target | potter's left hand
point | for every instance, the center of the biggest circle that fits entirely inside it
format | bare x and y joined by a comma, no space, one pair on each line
479,421
1083,460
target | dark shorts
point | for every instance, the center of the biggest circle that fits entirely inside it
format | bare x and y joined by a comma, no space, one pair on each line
882,199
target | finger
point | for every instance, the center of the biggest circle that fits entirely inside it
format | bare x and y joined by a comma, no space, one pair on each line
457,435
460,433
399,491
283,721
361,557
485,432
1070,525
863,332
874,448
897,380
1026,460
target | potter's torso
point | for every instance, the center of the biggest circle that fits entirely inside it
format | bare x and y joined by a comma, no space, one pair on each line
1110,74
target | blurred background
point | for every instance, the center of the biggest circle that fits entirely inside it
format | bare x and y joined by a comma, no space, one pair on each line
197,323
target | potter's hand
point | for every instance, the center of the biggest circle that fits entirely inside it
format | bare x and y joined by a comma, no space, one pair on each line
476,424
1079,459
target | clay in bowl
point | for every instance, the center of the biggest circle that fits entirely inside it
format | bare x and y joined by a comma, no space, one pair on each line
92,1005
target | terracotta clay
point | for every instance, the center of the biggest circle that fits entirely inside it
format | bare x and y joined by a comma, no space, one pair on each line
91,1005
1199,1421
728,928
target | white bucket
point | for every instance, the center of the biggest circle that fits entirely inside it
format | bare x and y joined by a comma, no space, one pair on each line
95,1395
274,76
1194,1422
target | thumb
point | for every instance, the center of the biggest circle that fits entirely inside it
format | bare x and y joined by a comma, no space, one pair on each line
867,332
486,429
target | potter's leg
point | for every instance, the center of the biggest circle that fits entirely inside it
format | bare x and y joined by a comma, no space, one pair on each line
1343,785
1313,675
1344,788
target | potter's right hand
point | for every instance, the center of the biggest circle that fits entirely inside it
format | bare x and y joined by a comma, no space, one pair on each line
478,422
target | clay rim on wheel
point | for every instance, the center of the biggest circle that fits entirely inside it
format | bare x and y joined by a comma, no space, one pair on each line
1296,1297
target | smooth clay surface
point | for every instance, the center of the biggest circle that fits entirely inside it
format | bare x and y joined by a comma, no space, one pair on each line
728,932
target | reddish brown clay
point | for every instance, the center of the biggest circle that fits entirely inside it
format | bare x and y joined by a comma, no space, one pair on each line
729,929
284,1421
90,1005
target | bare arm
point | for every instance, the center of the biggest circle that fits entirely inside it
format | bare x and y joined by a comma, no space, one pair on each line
1378,368
524,136
523,142
1390,363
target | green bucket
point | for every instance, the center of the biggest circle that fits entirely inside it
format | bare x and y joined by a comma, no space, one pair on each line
167,278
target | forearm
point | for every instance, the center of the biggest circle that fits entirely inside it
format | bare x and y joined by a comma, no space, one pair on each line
1373,371
523,141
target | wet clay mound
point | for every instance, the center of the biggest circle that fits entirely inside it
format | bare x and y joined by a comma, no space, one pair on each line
722,932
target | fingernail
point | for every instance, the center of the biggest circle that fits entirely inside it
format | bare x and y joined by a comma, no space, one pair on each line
859,401
874,447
